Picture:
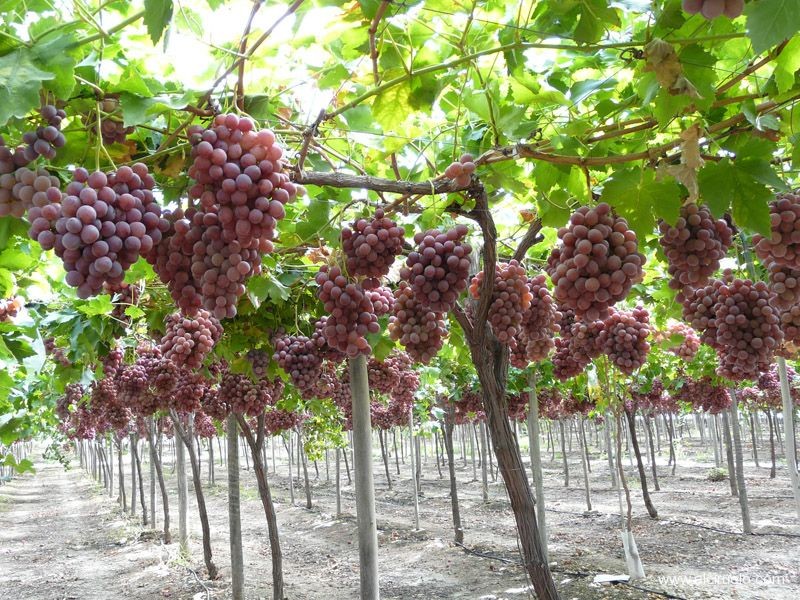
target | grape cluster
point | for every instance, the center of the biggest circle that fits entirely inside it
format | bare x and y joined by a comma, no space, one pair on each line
383,376
10,307
790,326
469,407
278,420
511,297
203,425
689,343
106,401
72,396
351,315
245,396
420,330
584,339
259,360
53,115
596,263
694,246
748,329
24,189
132,383
239,179
190,388
700,309
371,247
58,354
112,362
542,317
112,128
297,355
439,268
623,339
187,341
517,405
537,349
704,394
382,299
212,250
461,171
784,282
769,385
162,373
711,9
783,246
10,160
567,364
323,349
45,140
214,404
102,225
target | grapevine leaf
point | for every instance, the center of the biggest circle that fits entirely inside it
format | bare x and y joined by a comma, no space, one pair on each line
99,305
15,260
726,186
54,55
392,107
134,312
10,226
158,14
641,199
787,65
769,22
20,82
553,208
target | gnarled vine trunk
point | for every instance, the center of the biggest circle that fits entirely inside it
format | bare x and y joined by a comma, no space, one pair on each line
491,361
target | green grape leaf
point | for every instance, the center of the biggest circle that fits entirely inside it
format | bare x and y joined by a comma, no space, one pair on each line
158,14
738,188
99,305
769,22
20,82
787,65
638,196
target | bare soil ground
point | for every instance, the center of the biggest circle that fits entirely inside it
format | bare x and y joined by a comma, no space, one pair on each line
61,537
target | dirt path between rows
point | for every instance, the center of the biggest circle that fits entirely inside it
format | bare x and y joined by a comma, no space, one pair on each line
60,538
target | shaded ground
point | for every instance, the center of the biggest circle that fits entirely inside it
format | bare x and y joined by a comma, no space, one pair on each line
63,539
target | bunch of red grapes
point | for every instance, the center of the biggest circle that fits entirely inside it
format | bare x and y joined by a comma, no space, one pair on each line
103,224
711,9
694,246
10,307
511,298
419,329
461,171
596,263
438,270
188,340
371,247
351,315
